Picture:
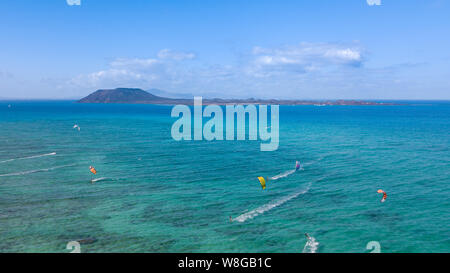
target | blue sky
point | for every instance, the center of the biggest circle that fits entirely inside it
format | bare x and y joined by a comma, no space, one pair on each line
393,49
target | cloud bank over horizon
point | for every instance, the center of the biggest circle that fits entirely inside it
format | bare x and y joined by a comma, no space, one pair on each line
256,73
302,71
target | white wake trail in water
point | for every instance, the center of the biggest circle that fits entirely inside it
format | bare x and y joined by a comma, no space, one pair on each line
281,175
100,179
28,157
252,214
36,171
311,245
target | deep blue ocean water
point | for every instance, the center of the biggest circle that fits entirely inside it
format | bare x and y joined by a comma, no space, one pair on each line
155,194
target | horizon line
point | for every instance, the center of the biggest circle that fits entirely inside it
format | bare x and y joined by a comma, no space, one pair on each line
73,99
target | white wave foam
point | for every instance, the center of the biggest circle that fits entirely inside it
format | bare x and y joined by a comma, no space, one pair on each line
251,214
28,157
35,171
311,245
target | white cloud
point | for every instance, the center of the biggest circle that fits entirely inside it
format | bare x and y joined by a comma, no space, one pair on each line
374,2
107,78
174,55
303,58
124,62
347,55
137,71
73,2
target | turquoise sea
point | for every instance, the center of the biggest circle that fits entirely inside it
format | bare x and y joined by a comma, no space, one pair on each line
154,194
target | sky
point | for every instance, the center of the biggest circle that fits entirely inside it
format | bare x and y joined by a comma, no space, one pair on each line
321,49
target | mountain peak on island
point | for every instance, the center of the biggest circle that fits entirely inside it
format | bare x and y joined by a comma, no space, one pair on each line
120,95
139,96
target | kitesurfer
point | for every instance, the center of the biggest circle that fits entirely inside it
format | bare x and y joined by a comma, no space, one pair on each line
262,181
384,195
93,170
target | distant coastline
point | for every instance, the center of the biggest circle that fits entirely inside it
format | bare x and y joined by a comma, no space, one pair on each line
139,96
